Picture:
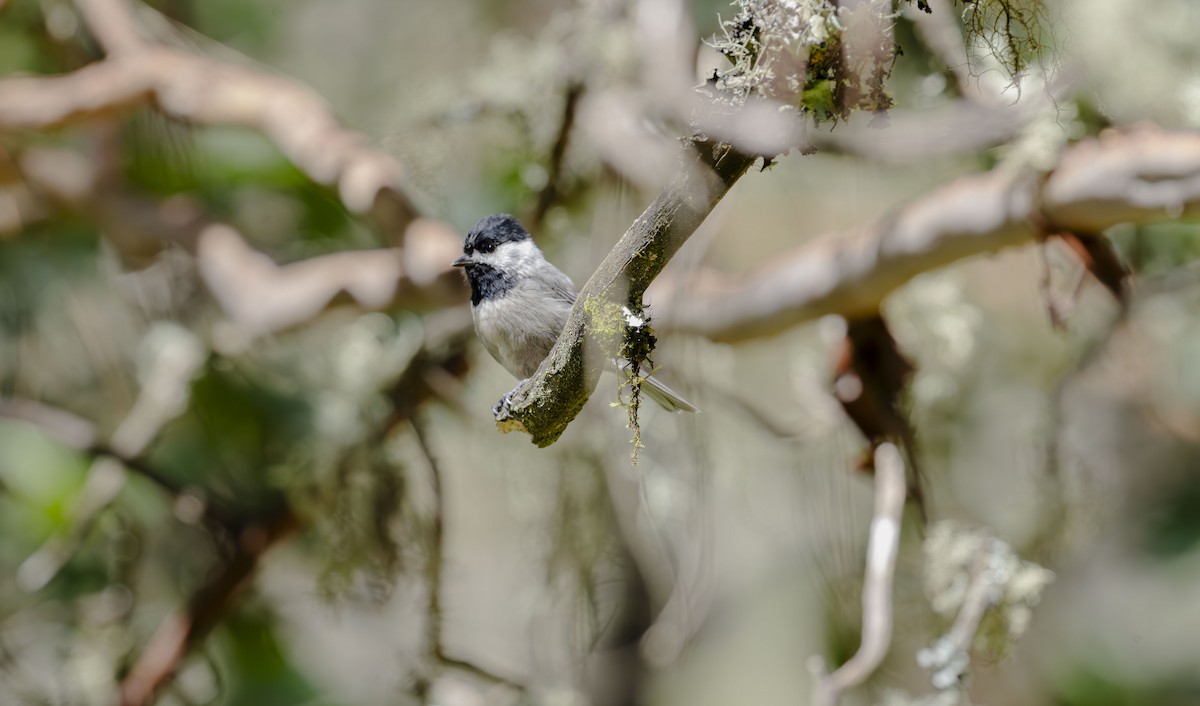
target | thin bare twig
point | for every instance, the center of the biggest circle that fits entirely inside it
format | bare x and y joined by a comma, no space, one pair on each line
883,545
552,191
434,564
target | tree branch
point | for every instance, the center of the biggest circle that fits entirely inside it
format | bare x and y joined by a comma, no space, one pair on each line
204,91
256,294
545,404
113,24
1130,176
883,544
261,297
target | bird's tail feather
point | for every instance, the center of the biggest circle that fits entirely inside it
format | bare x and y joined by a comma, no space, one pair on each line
666,398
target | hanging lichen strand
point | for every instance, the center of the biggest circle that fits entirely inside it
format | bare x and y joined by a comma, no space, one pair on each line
822,58
1008,31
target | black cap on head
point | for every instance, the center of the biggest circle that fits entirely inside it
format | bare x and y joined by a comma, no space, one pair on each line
493,230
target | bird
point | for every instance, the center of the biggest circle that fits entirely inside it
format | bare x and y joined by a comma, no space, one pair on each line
520,302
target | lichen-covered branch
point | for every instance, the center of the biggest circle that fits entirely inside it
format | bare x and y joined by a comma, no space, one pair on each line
545,404
1134,176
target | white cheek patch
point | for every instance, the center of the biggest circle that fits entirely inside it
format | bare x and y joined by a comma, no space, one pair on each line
515,256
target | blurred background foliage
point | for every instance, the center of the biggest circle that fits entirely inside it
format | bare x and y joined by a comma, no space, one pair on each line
708,573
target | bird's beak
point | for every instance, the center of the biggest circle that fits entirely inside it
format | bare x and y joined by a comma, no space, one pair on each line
462,261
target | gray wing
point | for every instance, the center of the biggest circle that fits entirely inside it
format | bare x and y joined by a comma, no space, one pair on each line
559,286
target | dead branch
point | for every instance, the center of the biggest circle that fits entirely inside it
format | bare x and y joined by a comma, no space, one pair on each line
552,191
545,404
883,544
1133,176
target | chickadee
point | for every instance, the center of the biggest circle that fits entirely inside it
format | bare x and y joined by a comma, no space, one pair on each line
520,302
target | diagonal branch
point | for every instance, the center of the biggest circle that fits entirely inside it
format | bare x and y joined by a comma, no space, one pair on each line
545,404
1134,176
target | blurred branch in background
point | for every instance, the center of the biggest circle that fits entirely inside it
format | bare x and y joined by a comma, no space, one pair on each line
1139,175
203,91
883,544
261,297
257,295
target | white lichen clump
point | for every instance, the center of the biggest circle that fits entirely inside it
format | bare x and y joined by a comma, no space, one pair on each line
968,570
633,320
766,42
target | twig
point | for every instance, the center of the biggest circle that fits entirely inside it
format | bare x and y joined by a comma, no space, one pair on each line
435,557
433,561
883,545
478,672
1135,176
552,190
979,597
545,404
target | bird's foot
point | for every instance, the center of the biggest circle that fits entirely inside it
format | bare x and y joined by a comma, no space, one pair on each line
500,409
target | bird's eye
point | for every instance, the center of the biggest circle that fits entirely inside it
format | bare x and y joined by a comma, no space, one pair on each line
486,247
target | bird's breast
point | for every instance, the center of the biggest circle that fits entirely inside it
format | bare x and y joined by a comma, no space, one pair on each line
520,327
